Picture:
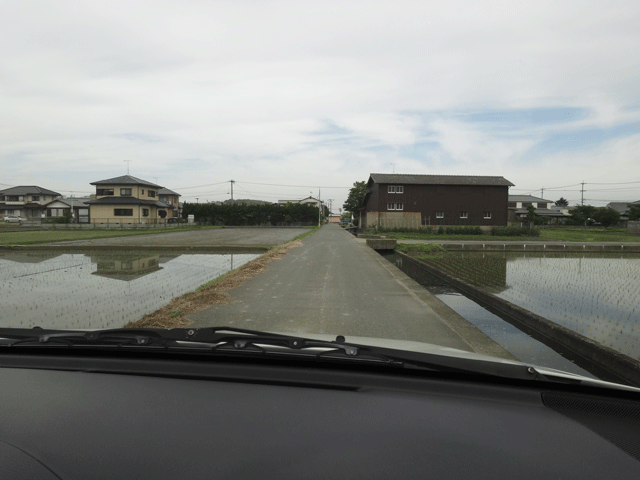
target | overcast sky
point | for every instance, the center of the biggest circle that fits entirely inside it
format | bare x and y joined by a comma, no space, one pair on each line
320,94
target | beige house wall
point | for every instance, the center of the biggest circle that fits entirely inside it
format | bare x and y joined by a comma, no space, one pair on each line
105,214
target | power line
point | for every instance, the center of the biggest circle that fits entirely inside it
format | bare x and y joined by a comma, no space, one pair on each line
200,186
294,186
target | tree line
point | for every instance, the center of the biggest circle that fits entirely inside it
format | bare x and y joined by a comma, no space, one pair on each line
249,215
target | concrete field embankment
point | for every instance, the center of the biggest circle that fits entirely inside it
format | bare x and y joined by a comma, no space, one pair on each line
541,247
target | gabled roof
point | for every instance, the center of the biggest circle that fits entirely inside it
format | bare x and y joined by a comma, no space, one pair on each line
439,179
72,201
528,198
125,180
28,190
166,191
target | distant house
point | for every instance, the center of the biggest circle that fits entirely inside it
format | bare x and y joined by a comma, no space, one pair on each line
623,208
308,200
172,200
518,205
26,201
126,200
76,205
395,200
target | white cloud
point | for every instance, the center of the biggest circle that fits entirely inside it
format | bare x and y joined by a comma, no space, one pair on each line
221,90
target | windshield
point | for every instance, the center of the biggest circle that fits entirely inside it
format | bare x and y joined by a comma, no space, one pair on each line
457,178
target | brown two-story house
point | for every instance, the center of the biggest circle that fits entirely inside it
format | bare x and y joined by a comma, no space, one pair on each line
414,201
126,199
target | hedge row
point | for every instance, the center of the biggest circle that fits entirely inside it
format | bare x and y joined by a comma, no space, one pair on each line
243,214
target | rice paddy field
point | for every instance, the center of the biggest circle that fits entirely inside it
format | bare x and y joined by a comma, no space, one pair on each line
597,296
99,289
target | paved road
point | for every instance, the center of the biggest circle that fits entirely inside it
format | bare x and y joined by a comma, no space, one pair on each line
205,237
334,284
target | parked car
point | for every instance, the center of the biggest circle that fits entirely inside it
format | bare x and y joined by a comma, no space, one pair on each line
14,219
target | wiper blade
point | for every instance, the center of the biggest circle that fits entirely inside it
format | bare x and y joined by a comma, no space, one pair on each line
230,339
210,338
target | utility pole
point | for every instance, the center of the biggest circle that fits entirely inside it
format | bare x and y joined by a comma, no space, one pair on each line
197,200
394,167
127,162
582,193
319,208
232,182
542,192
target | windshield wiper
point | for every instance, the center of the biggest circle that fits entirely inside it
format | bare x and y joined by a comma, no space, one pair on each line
231,340
236,340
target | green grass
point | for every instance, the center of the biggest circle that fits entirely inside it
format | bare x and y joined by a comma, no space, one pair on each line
588,235
30,237
566,234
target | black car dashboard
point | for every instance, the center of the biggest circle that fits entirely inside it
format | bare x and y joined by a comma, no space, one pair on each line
100,416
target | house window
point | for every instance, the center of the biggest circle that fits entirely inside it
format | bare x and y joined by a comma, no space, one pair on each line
13,198
125,192
487,215
518,204
145,212
35,198
395,206
439,214
142,192
151,193
123,212
464,214
395,189
104,191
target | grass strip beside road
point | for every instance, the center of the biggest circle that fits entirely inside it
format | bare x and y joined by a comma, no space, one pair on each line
554,234
31,237
214,292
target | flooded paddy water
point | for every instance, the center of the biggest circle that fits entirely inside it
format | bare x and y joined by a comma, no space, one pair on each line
596,295
100,289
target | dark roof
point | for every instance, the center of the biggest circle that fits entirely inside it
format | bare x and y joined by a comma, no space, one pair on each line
439,179
545,212
166,191
528,198
125,180
125,201
28,190
620,207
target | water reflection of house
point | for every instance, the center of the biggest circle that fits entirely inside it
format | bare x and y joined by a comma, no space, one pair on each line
28,257
127,267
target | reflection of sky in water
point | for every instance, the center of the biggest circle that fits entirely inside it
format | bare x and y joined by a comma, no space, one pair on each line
596,297
71,291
